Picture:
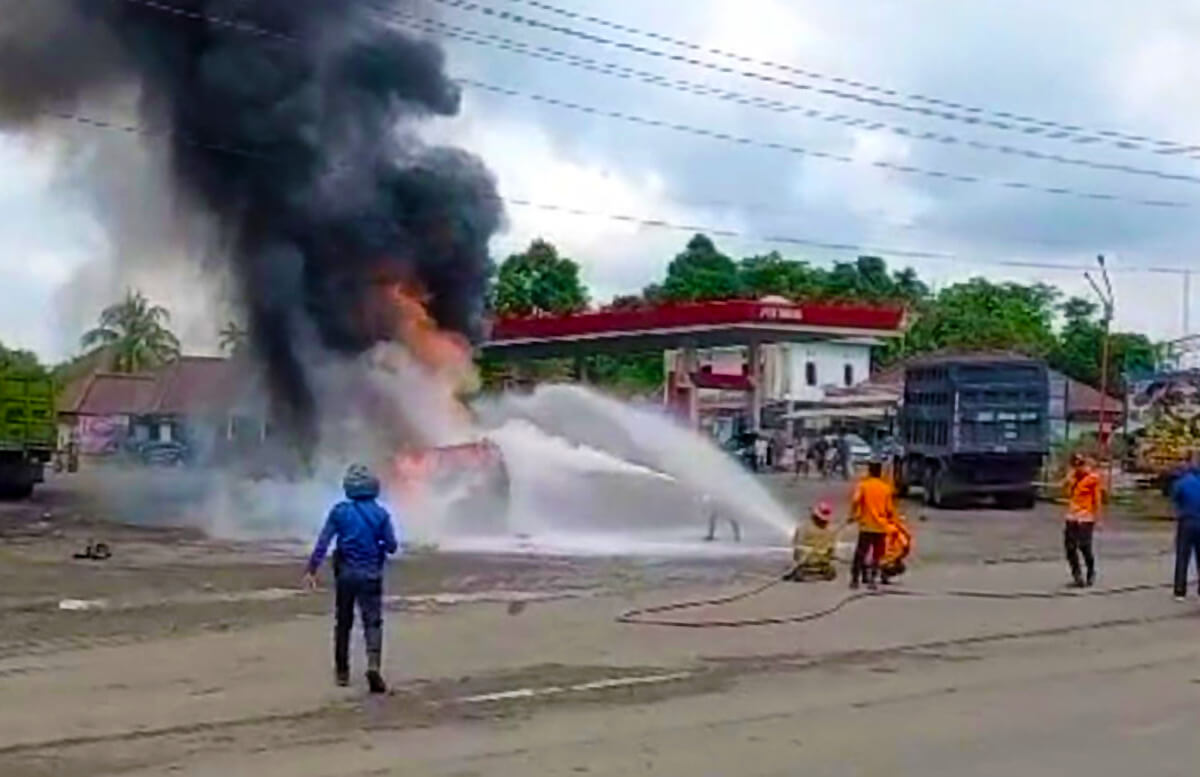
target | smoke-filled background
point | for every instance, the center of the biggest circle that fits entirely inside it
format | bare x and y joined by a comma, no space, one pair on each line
272,145
286,127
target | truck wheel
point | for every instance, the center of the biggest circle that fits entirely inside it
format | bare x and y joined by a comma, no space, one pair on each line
937,490
900,480
1021,500
928,491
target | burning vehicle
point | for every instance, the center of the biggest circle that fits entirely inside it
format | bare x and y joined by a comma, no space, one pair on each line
464,487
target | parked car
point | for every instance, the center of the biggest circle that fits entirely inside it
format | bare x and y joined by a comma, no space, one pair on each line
162,454
860,451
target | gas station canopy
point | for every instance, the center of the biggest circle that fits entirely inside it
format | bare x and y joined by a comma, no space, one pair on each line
689,325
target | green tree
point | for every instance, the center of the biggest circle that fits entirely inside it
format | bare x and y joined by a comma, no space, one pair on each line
1079,352
867,279
700,272
21,362
626,373
908,287
980,314
233,338
136,334
538,280
626,302
771,274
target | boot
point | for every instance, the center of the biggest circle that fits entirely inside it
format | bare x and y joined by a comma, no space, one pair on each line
375,681
342,676
871,584
374,678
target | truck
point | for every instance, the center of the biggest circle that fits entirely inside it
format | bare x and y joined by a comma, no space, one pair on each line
27,432
973,426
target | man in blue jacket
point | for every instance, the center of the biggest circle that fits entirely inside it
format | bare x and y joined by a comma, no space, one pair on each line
1185,496
365,538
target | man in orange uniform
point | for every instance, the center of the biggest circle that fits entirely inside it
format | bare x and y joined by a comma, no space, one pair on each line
1084,494
873,508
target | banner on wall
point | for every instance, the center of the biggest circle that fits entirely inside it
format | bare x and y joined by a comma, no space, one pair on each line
1167,409
101,435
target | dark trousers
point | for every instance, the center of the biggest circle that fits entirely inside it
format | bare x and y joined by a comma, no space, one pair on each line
1077,541
367,593
1187,546
869,543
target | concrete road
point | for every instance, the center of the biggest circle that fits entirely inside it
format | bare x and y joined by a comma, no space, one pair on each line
890,685
202,660
1116,702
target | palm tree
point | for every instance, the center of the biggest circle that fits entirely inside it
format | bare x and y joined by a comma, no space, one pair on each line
136,334
232,338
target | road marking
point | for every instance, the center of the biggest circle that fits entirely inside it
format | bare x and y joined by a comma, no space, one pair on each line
555,690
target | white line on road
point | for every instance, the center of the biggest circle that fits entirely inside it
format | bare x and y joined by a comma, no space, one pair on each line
595,685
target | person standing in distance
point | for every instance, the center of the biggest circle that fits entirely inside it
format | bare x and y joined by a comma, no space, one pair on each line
365,538
1084,495
873,508
1185,497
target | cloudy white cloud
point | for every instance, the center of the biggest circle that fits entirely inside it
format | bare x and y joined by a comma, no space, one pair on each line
1100,66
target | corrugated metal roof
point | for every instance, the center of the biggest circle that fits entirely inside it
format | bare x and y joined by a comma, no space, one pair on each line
196,384
189,385
109,393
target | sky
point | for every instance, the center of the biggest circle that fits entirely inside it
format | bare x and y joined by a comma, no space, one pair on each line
1095,65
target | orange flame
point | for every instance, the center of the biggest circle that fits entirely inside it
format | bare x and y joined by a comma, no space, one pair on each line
447,358
446,354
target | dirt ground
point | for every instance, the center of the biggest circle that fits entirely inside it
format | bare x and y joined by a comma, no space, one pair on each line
188,655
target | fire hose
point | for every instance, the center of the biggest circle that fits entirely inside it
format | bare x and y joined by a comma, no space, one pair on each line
645,616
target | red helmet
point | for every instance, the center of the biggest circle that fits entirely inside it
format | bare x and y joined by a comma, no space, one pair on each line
823,510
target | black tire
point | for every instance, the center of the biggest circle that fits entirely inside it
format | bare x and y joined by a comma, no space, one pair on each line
937,495
927,489
900,480
1020,500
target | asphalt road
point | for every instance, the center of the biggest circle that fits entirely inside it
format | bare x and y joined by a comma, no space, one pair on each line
200,659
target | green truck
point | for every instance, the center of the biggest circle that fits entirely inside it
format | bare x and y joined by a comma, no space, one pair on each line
27,432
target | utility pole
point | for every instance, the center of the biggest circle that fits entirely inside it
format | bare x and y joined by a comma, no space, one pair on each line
1109,303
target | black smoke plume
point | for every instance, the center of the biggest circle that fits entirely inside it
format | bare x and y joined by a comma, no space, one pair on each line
290,122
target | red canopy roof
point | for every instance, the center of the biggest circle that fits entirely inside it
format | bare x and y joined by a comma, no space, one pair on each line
804,316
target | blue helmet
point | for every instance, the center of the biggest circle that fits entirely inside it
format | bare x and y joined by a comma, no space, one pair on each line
360,483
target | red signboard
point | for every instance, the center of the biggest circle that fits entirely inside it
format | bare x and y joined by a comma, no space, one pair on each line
699,315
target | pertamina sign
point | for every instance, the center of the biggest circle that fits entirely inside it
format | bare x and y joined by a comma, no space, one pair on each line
780,313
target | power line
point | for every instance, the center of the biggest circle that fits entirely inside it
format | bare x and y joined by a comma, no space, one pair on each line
689,129
94,123
944,109
812,243
713,134
557,56
249,28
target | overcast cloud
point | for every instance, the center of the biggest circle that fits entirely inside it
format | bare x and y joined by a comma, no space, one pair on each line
1102,65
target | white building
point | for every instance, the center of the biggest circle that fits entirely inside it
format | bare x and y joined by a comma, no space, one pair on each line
792,372
798,371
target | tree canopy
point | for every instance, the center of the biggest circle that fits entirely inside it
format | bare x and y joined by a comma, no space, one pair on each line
136,334
21,362
1082,339
974,314
981,314
700,272
232,338
538,280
